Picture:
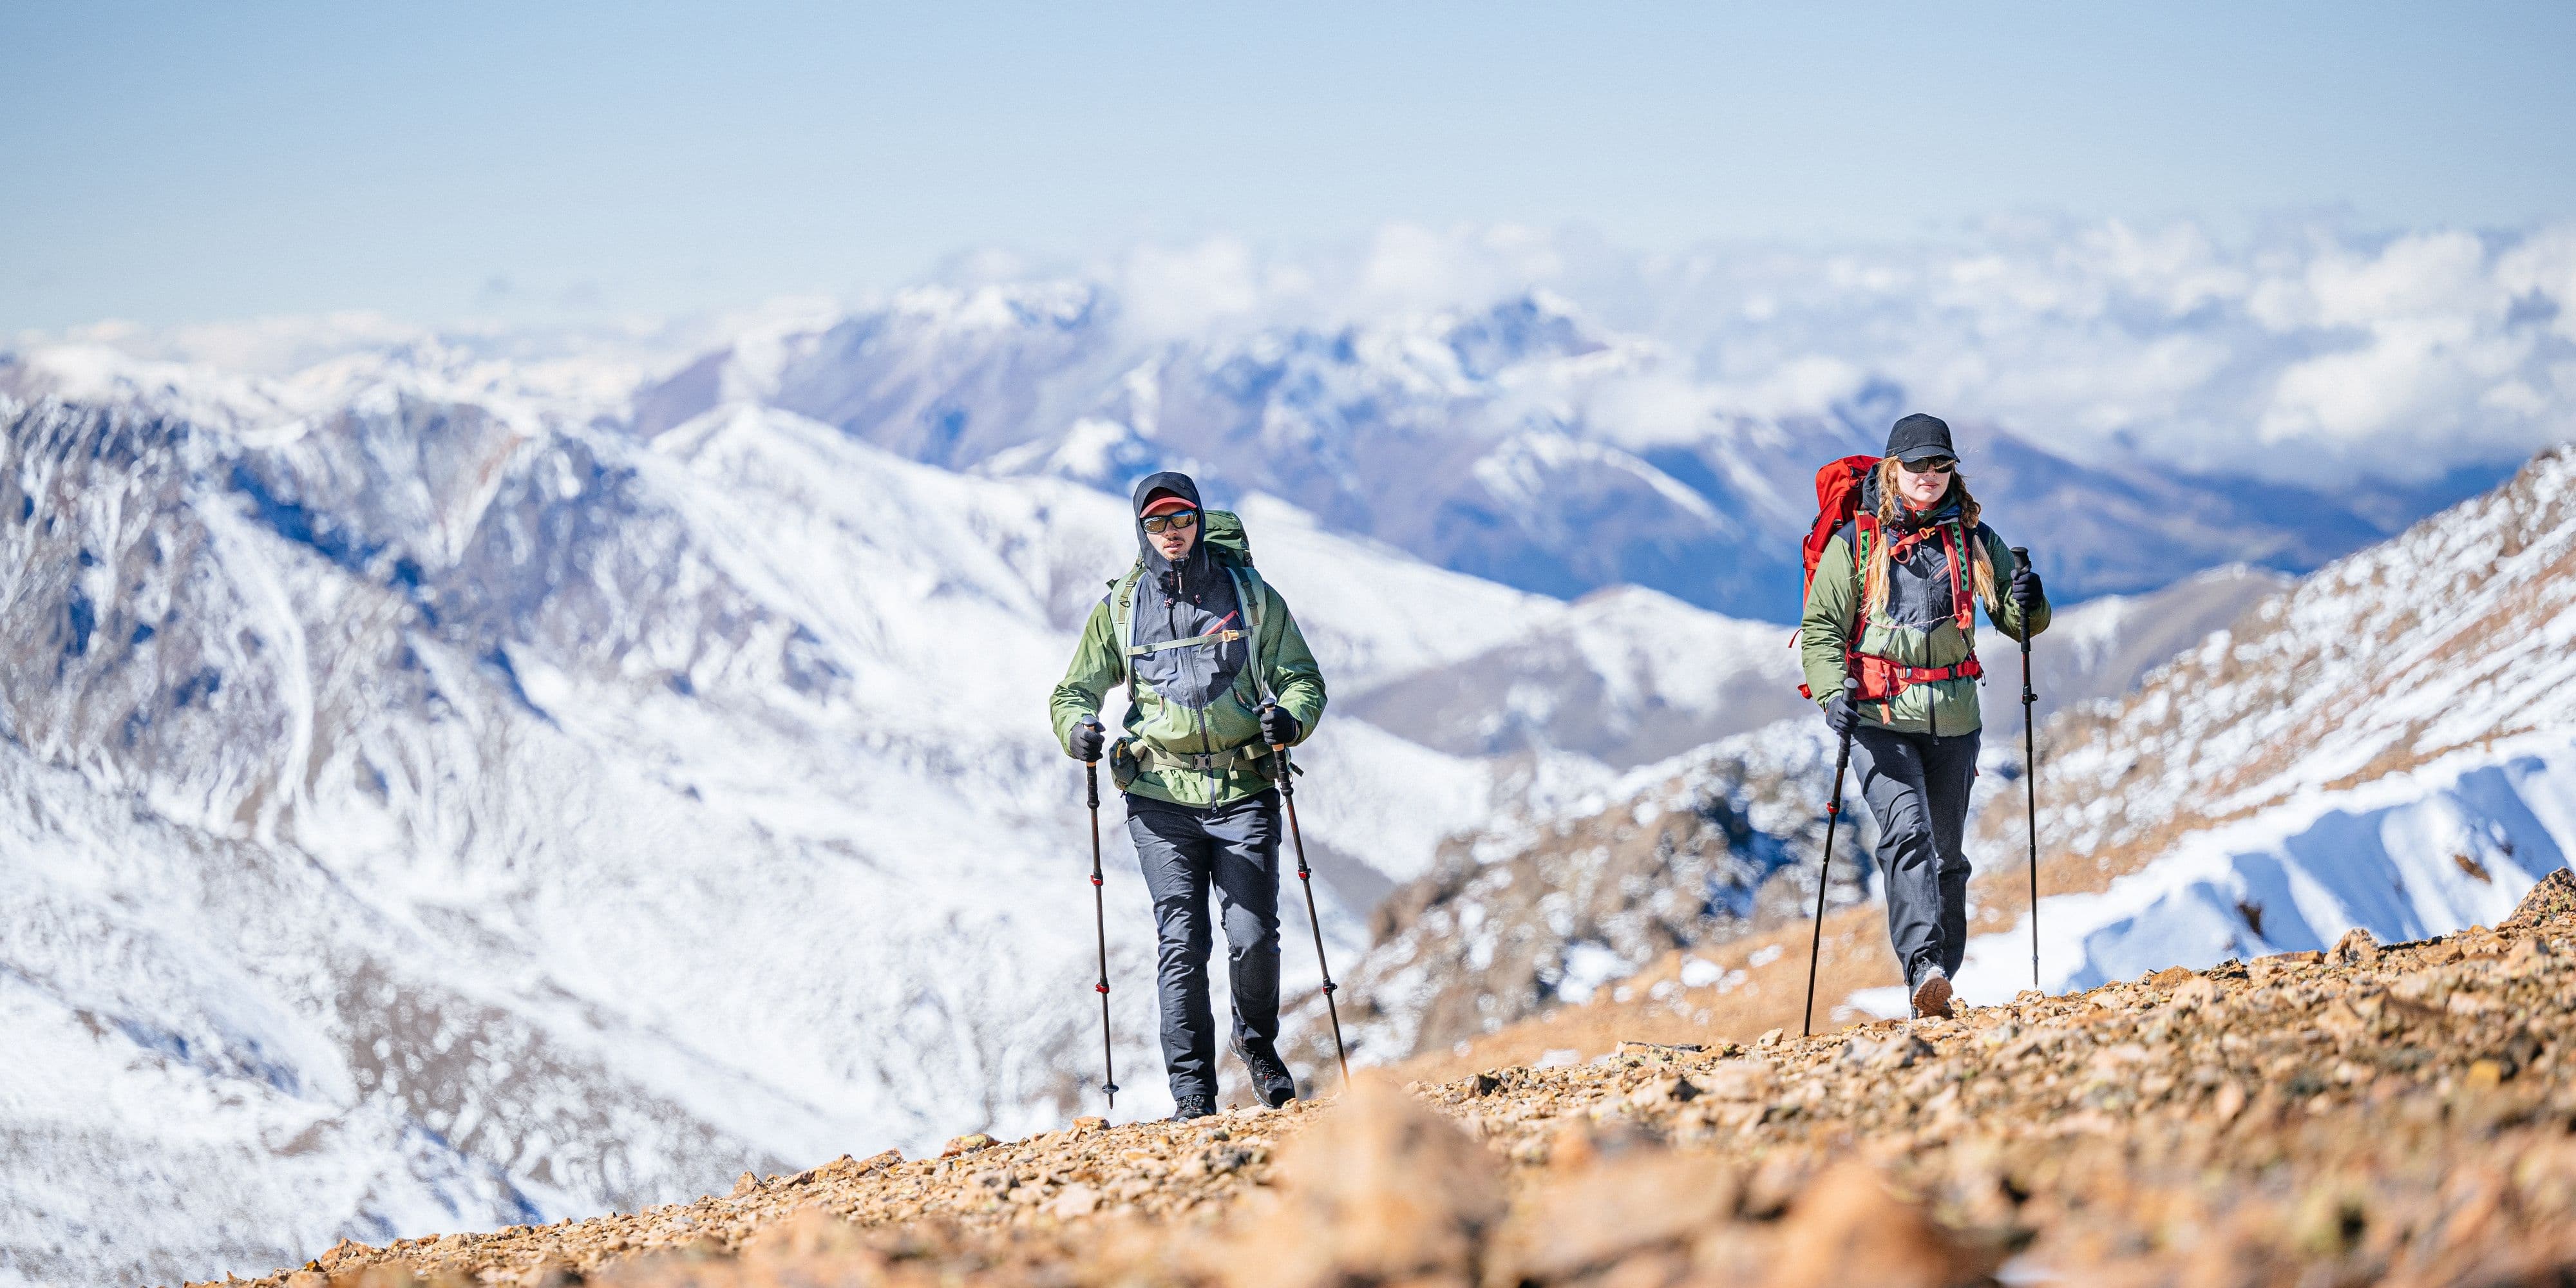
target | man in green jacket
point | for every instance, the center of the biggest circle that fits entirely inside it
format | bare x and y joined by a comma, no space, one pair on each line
1216,675
1894,601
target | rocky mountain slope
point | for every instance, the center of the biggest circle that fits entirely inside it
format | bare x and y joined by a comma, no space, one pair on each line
2392,1114
2390,744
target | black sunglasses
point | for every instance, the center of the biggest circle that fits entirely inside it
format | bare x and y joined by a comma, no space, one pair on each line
1938,465
1167,522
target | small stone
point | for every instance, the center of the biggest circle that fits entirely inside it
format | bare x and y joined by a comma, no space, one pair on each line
2484,1075
2231,1101
1738,1080
1090,1122
966,1144
1077,1200
745,1184
2356,948
1847,1229
1896,1051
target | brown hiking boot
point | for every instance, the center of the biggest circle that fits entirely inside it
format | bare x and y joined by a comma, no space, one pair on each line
1932,996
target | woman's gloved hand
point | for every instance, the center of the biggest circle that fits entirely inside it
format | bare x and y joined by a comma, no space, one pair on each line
1278,728
1088,738
1842,715
2025,586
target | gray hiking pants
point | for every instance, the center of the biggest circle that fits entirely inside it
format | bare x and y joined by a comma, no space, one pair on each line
1184,850
1917,788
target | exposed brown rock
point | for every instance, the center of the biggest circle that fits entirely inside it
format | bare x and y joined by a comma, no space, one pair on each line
1847,1229
2397,1117
1384,1191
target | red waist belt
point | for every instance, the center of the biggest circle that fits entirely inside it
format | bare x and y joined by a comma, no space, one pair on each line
1881,679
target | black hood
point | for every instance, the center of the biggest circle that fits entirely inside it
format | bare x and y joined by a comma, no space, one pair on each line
1194,567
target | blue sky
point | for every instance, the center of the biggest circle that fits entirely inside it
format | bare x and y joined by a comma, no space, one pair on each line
180,162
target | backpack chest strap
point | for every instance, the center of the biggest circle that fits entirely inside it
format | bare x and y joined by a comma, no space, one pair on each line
1212,637
1954,545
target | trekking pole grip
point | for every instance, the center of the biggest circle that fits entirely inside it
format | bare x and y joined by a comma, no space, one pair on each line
1091,782
1851,697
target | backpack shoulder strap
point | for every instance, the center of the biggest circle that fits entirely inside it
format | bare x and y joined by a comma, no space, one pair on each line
1249,591
1122,618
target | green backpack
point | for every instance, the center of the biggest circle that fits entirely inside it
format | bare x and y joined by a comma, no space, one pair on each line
1222,530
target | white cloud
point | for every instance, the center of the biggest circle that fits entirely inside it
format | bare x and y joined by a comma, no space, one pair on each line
1176,293
2304,351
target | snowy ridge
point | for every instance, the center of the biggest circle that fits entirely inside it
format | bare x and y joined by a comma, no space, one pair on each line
2390,744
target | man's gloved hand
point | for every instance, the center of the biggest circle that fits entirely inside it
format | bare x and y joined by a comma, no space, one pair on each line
1841,715
1278,728
2025,586
1088,738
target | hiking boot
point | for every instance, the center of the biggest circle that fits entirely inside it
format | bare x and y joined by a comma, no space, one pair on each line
1270,1077
1932,995
1189,1107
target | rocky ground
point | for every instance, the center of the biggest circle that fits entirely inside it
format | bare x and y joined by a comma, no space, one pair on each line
2393,1115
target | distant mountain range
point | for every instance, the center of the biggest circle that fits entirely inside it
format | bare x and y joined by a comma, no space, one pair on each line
1489,442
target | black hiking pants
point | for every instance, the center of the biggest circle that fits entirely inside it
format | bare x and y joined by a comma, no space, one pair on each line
1184,850
1917,787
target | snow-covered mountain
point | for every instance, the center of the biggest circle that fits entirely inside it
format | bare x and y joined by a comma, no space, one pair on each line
457,782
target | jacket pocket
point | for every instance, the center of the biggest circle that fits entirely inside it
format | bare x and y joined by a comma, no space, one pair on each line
1122,764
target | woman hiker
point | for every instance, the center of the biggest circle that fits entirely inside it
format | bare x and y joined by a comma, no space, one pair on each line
1893,602
1217,673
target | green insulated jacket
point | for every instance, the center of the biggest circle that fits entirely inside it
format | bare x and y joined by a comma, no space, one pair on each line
1916,628
1198,644
1158,729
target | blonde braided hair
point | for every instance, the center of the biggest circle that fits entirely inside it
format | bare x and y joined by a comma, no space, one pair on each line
1874,582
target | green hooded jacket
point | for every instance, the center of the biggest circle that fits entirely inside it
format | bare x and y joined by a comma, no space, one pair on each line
1915,629
1159,729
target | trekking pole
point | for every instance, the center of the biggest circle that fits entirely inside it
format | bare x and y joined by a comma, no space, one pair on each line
2030,774
1100,923
1825,871
1288,794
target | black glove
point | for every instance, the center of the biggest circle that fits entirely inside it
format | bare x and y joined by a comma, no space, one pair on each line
1278,728
1841,715
2025,586
1088,737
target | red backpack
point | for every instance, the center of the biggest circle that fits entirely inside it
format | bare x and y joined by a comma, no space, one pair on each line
1837,503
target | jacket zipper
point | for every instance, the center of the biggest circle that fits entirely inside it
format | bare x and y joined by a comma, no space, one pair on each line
1199,714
